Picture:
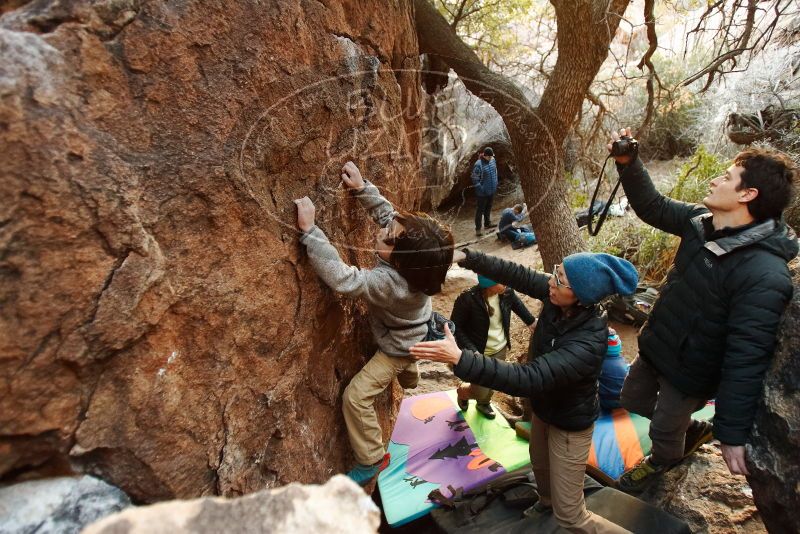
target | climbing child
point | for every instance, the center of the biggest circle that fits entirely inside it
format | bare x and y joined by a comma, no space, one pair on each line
413,254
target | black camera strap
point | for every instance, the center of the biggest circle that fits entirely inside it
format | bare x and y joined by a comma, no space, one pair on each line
601,218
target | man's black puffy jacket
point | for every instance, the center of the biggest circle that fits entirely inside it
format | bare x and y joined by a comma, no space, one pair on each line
564,358
472,319
712,330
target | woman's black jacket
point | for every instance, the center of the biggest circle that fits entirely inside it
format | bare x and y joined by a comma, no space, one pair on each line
564,358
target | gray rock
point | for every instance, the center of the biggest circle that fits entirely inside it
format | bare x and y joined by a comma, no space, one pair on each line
58,506
337,506
772,455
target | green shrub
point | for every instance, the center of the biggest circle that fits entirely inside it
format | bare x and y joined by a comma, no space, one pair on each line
694,177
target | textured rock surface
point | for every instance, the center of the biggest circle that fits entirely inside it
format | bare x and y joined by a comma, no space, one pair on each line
57,506
337,506
703,493
774,454
159,323
457,125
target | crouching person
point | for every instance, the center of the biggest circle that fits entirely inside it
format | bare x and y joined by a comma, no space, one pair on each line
560,378
413,255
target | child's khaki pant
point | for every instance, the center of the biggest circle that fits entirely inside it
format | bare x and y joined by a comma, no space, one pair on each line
363,428
558,458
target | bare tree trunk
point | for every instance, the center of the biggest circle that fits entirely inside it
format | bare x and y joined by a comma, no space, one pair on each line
585,30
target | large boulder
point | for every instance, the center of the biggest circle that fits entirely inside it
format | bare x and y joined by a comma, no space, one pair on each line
456,127
57,506
338,506
773,457
160,325
701,491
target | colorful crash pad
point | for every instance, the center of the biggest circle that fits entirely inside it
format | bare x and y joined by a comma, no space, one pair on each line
620,440
435,445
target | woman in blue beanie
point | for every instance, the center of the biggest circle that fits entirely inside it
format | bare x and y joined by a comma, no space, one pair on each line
565,357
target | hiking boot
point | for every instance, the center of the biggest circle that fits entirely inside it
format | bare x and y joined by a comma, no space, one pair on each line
637,478
489,226
699,432
486,410
516,245
478,232
463,404
537,510
363,474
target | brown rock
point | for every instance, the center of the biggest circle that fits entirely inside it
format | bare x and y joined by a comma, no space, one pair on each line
159,322
773,457
702,492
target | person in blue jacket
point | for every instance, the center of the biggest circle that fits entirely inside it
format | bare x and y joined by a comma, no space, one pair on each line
519,236
613,373
484,179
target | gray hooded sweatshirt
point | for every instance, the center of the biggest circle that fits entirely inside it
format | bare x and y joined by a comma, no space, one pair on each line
397,315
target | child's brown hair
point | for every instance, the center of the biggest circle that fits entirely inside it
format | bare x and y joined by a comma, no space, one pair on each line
423,251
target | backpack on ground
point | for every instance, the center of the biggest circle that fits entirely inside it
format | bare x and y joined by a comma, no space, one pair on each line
499,507
633,309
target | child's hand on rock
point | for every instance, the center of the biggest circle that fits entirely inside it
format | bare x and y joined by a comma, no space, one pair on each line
305,213
351,176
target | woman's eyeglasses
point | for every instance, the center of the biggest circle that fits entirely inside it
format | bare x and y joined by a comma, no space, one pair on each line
559,283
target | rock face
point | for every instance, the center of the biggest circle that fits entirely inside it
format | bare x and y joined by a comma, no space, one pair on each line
457,126
773,458
57,506
702,492
159,324
338,506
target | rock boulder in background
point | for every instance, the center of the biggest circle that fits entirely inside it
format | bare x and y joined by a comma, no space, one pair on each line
159,324
457,126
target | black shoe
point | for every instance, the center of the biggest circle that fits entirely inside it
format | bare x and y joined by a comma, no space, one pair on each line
486,410
537,510
699,432
490,225
516,245
478,232
462,404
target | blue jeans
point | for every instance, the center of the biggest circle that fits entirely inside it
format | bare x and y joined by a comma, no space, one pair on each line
520,234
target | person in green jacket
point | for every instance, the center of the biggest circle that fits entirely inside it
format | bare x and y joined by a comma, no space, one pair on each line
711,333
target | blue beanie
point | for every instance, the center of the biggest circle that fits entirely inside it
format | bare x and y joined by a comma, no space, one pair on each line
484,282
594,277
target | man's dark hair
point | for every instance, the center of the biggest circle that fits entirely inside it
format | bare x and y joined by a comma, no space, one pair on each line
423,252
488,151
773,174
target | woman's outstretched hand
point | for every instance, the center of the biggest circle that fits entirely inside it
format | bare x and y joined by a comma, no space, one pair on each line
445,351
